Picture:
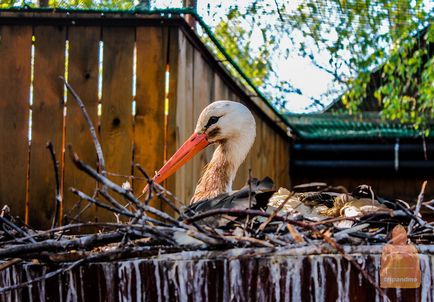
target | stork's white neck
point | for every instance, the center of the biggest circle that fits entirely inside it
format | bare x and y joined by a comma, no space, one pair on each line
220,172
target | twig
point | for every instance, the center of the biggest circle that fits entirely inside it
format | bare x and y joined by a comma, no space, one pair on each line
16,228
76,226
418,206
266,222
251,240
159,190
85,242
77,207
56,176
295,234
10,263
118,189
278,11
129,196
428,206
246,223
121,211
242,213
98,148
100,204
125,176
113,201
335,219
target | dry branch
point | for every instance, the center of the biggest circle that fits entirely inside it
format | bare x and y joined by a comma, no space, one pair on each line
58,202
16,228
92,130
418,206
118,189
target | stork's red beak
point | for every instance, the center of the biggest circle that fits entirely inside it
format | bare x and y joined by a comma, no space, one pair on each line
190,148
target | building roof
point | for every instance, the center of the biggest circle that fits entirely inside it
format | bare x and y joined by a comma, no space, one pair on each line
334,123
328,126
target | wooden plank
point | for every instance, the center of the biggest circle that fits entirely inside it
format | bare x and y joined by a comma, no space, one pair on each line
221,91
149,118
171,143
47,121
15,51
184,115
281,164
242,174
265,150
202,96
256,150
83,76
270,166
285,156
116,114
232,96
274,157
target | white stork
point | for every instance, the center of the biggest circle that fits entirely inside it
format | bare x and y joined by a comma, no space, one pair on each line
229,125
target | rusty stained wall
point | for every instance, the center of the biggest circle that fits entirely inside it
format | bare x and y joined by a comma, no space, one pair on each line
232,275
119,69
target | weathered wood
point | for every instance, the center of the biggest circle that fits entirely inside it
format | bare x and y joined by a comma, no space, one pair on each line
265,159
116,114
221,91
47,121
184,115
15,53
171,136
284,165
257,150
149,118
83,76
195,80
202,96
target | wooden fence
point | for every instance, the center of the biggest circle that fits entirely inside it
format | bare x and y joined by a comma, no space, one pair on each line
119,65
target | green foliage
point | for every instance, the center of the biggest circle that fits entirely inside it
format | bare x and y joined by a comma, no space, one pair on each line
358,37
236,40
239,34
8,3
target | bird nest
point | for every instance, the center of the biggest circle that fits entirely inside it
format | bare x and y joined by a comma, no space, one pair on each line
291,219
313,214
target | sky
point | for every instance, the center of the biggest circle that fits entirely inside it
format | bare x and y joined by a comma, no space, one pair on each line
299,71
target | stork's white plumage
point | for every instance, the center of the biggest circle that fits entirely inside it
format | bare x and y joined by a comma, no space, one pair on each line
229,125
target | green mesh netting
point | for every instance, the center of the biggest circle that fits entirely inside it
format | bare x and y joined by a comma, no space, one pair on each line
363,126
307,126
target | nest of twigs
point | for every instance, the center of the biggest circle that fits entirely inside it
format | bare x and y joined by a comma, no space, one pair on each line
146,231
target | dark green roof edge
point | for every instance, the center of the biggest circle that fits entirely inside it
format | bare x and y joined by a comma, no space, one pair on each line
326,126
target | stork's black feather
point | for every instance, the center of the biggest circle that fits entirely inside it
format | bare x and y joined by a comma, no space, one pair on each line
261,191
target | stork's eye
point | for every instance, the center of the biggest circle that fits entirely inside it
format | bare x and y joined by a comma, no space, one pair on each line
212,120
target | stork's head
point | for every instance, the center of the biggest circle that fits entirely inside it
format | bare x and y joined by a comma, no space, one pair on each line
221,122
